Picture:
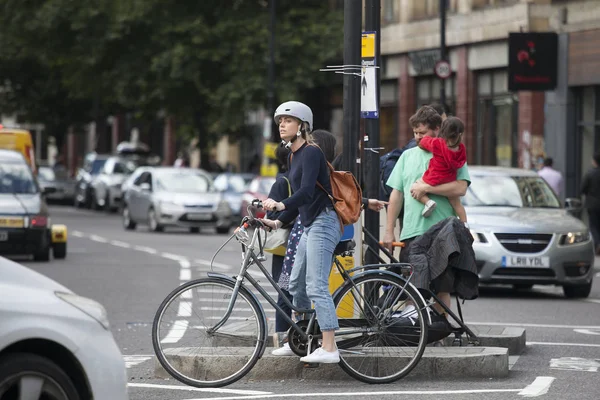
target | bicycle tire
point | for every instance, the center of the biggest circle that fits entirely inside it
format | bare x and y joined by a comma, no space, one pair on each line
367,339
238,374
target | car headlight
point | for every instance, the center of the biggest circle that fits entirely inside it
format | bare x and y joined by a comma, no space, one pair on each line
88,306
478,237
574,237
223,207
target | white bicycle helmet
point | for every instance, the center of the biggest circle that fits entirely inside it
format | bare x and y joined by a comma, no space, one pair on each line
297,110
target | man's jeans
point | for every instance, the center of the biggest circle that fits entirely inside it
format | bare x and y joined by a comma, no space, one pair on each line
310,274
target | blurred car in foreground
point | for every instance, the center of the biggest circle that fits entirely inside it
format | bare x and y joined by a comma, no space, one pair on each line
54,344
63,187
167,196
233,186
25,226
523,236
259,188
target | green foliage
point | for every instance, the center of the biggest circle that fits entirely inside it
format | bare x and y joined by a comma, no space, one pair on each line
204,62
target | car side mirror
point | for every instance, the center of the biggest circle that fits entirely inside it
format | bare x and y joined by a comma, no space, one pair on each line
574,206
145,187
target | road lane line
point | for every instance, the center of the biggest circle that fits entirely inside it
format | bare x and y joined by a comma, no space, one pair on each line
77,234
185,274
118,243
99,239
185,309
132,361
145,249
534,325
176,332
562,344
592,300
193,389
539,387
215,264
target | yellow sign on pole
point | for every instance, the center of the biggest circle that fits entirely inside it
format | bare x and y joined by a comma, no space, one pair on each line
270,149
368,45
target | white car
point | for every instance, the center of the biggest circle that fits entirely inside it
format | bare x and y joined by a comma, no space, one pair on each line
54,344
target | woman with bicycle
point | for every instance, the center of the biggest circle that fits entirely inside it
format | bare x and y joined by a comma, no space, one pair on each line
310,275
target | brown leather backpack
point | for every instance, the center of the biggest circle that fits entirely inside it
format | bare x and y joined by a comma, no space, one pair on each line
346,196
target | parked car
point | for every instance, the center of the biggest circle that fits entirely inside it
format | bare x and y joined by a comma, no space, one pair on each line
233,186
106,186
92,165
259,188
168,196
57,178
54,344
25,226
523,235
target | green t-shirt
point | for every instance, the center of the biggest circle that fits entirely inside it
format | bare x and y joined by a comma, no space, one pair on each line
410,167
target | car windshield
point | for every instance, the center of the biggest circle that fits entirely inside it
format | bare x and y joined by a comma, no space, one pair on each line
510,191
46,174
262,185
183,182
233,183
16,178
97,166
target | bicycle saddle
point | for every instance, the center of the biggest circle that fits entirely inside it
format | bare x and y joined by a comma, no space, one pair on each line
344,247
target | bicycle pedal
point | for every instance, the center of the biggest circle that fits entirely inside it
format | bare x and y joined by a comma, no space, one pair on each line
312,365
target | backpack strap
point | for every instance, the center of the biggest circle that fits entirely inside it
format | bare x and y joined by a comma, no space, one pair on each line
289,186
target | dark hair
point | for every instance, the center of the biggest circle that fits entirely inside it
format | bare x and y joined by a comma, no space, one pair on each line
452,130
426,115
596,158
548,161
326,141
337,163
281,155
439,108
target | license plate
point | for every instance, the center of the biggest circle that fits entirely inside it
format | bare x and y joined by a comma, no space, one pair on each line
11,222
3,236
525,261
199,217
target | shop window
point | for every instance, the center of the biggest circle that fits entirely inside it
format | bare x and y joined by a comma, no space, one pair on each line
428,91
497,113
587,142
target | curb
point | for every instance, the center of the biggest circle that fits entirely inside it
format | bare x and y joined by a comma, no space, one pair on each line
512,338
437,362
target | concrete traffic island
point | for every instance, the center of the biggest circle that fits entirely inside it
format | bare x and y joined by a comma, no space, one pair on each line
512,338
437,362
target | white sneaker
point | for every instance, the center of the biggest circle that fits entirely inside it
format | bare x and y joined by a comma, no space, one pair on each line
283,351
428,209
409,311
322,356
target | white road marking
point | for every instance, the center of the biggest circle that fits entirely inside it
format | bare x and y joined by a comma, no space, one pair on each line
562,344
77,234
593,300
176,332
185,274
534,325
186,295
512,360
539,387
183,262
215,264
132,361
587,331
185,309
99,239
145,249
118,243
575,364
358,394
193,389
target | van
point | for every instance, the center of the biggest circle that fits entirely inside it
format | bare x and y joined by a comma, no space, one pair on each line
19,140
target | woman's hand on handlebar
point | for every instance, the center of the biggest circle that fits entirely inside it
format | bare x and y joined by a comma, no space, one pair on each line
272,205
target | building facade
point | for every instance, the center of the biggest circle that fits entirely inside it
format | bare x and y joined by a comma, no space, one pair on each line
503,128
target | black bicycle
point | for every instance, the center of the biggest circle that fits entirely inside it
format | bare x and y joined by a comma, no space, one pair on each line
206,321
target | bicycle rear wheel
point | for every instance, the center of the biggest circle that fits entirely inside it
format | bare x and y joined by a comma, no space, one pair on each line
190,351
383,347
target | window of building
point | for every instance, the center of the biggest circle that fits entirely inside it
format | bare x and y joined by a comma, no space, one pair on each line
497,113
587,142
428,91
389,8
388,116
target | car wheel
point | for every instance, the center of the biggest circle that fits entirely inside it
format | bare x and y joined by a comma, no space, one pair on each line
94,201
195,230
153,222
59,250
577,291
43,254
107,206
128,224
23,374
223,230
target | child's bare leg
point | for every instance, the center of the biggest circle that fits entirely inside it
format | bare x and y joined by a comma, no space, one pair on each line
458,208
429,205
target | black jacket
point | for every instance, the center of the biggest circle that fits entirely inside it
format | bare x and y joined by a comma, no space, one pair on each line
280,190
447,244
590,188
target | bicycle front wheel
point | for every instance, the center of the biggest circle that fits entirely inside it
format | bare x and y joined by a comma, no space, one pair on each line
376,344
191,350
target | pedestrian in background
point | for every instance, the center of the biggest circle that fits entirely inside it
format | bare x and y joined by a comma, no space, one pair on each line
590,188
552,176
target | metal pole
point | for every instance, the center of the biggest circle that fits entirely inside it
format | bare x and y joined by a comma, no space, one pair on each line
371,158
443,55
271,71
352,48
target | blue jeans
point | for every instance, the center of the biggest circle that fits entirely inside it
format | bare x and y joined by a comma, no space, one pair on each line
310,275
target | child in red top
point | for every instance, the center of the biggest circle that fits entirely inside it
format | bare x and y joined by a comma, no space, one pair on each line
449,155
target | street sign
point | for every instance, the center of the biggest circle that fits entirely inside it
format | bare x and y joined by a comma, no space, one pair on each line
442,69
368,77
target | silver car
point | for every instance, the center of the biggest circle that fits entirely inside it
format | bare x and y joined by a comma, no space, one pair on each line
166,196
523,235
